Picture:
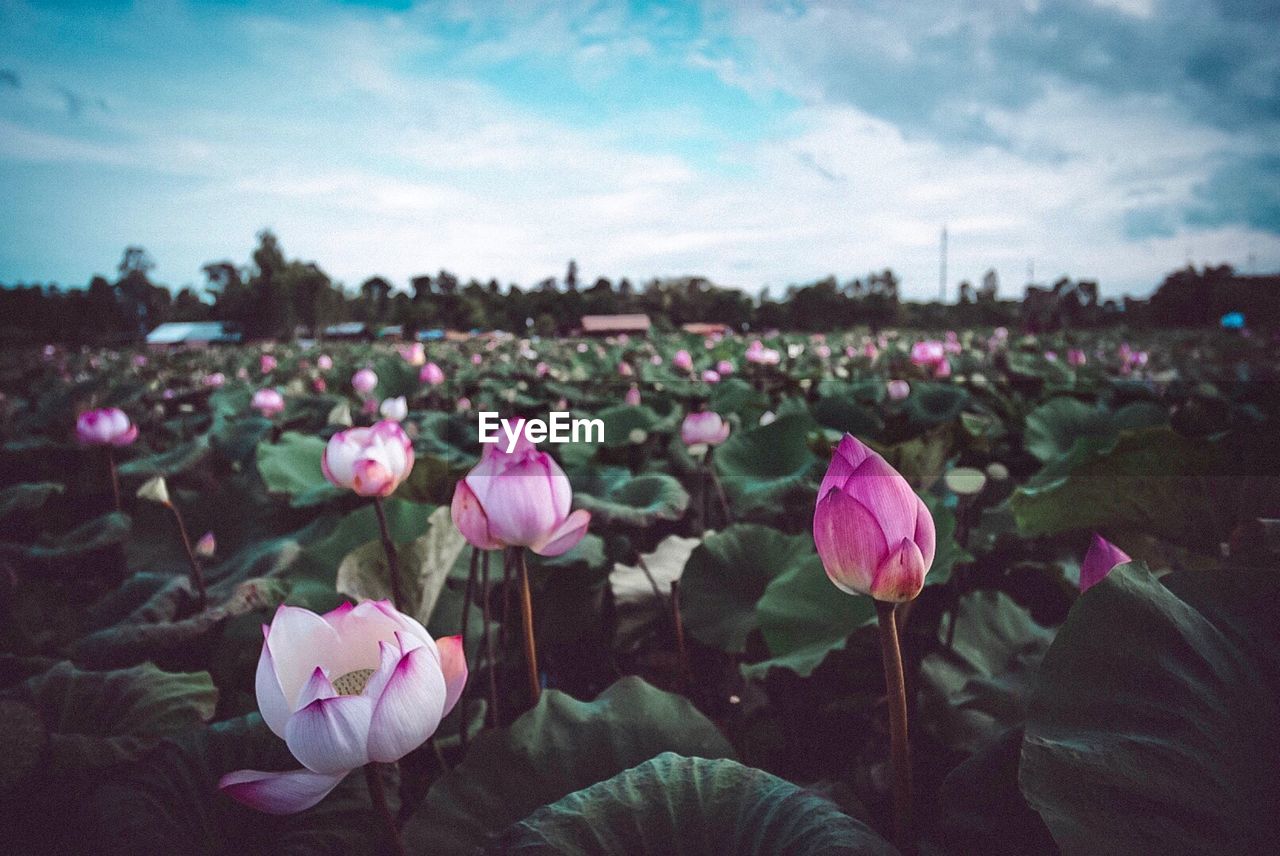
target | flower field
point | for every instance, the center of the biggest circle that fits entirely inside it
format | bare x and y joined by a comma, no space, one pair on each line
857,593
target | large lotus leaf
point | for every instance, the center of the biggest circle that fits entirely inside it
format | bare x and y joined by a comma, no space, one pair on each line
1151,728
96,719
292,467
424,565
451,437
159,628
169,802
180,458
845,414
1053,427
804,617
728,574
641,592
431,481
406,521
978,681
1151,480
759,465
932,404
677,806
111,528
734,395
26,497
560,746
237,440
638,501
620,421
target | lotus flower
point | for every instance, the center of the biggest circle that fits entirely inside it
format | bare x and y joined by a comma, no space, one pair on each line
415,354
108,426
931,355
711,376
476,360
633,396
873,534
268,402
206,546
1076,357
395,409
266,363
725,368
355,685
518,499
324,362
682,361
704,427
898,389
364,381
370,461
463,405
1101,559
431,374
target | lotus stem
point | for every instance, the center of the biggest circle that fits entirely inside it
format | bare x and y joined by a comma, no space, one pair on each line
900,749
488,643
115,477
378,796
393,563
526,610
678,622
466,616
197,572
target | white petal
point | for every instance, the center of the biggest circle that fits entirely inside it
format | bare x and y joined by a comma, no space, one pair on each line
410,708
271,701
278,793
331,735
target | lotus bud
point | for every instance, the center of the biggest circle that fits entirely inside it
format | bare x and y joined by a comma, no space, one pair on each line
364,381
1101,559
206,546
268,401
704,428
370,461
873,534
395,409
155,490
108,426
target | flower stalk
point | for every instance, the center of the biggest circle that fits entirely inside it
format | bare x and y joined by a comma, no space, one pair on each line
526,613
378,796
393,564
900,748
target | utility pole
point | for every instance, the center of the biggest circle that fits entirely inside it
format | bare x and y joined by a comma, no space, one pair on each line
942,267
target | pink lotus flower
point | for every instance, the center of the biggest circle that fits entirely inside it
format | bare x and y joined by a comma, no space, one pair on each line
353,686
873,534
464,404
1076,357
655,360
108,426
268,401
364,381
415,354
633,396
324,362
214,380
370,461
705,427
682,361
928,354
319,384
518,499
898,389
541,369
476,359
823,352
1102,558
431,374
266,363
725,368
139,361
711,376
625,369
870,351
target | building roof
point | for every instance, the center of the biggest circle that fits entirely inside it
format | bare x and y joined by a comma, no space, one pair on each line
179,332
615,323
704,328
347,328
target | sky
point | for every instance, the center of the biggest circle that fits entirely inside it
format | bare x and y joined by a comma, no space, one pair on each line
756,143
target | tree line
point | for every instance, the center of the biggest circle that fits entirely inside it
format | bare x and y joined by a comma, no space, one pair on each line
275,297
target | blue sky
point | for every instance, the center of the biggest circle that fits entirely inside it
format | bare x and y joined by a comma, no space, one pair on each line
759,143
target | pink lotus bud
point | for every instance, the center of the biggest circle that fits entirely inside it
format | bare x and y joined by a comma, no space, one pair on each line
928,354
942,369
324,362
476,360
1102,558
870,351
898,389
431,374
266,363
168,394
1051,356
139,361
415,354
1076,357
214,380
370,461
633,396
655,360
625,369
268,402
518,499
541,369
873,534
725,368
395,409
242,373
711,376
704,427
823,352
369,406
108,426
464,404
319,384
364,381
682,361
353,686
206,546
